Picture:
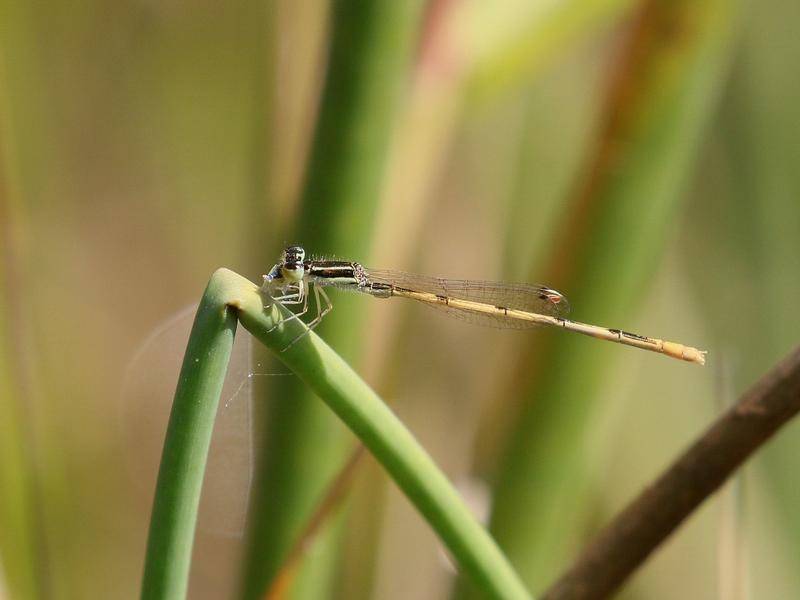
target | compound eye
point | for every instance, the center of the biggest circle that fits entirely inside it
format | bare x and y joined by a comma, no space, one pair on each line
293,254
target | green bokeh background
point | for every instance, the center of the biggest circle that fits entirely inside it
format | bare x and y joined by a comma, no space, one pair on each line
638,156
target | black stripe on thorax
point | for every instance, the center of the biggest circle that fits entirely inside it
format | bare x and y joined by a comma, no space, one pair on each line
331,269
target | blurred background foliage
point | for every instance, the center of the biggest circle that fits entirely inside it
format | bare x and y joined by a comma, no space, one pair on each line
638,156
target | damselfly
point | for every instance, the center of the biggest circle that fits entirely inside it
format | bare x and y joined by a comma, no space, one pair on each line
507,305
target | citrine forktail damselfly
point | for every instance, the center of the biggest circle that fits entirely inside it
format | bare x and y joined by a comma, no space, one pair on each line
506,305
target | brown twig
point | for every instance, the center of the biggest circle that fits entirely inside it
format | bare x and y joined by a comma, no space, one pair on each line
630,538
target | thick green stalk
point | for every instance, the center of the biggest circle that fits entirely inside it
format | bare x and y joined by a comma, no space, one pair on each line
371,50
372,44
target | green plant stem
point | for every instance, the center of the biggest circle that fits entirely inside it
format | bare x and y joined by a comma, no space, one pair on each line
180,476
352,400
371,46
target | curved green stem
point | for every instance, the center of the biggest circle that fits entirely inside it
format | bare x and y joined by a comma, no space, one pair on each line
352,400
183,460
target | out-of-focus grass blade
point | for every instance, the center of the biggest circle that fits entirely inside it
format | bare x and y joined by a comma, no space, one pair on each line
620,224
22,543
748,214
17,523
511,61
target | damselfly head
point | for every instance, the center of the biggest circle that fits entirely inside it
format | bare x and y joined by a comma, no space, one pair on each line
293,256
292,265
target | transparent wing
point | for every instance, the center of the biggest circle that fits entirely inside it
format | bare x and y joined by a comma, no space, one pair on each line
148,388
518,296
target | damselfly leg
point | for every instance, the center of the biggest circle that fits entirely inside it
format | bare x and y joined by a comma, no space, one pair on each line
297,295
321,312
297,292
